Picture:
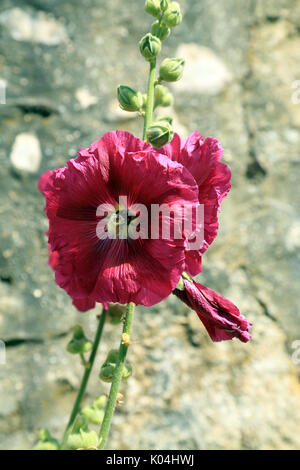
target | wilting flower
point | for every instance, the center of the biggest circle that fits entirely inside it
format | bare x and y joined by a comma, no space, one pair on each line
202,158
221,318
94,269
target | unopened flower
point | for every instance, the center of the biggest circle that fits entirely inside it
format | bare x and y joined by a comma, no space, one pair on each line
129,98
120,269
153,7
159,133
160,31
163,97
172,16
201,156
171,70
221,318
150,46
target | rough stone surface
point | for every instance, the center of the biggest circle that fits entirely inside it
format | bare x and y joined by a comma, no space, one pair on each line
185,393
26,153
204,72
40,28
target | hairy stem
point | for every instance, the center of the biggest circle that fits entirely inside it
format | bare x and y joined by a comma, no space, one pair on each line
150,98
86,375
112,399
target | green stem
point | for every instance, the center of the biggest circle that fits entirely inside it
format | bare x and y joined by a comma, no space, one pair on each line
86,376
150,97
112,399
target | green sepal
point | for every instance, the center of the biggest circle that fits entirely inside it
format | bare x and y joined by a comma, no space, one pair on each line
95,412
109,366
172,16
150,46
167,119
46,441
163,97
160,31
153,8
164,5
129,99
83,440
116,313
159,133
180,285
79,344
171,70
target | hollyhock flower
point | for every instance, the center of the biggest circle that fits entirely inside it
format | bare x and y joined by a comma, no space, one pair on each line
202,158
221,318
93,269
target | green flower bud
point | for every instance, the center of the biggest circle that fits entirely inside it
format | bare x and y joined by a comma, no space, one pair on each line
95,412
47,446
164,4
167,119
129,98
171,70
79,344
161,32
83,440
153,7
159,134
100,402
46,441
127,372
172,16
163,97
109,366
150,46
116,313
80,422
94,415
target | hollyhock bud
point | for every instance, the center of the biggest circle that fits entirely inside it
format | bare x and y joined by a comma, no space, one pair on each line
171,70
129,98
153,7
79,344
167,119
164,4
108,368
163,97
115,313
172,16
221,318
161,32
46,441
159,134
83,440
95,412
150,46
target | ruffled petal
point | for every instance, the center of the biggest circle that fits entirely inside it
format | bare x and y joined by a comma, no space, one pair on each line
201,157
91,269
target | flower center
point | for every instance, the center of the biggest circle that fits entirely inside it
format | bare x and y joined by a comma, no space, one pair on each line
118,224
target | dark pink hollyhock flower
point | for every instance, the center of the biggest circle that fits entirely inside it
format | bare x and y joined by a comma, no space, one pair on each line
221,318
201,156
82,304
91,269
